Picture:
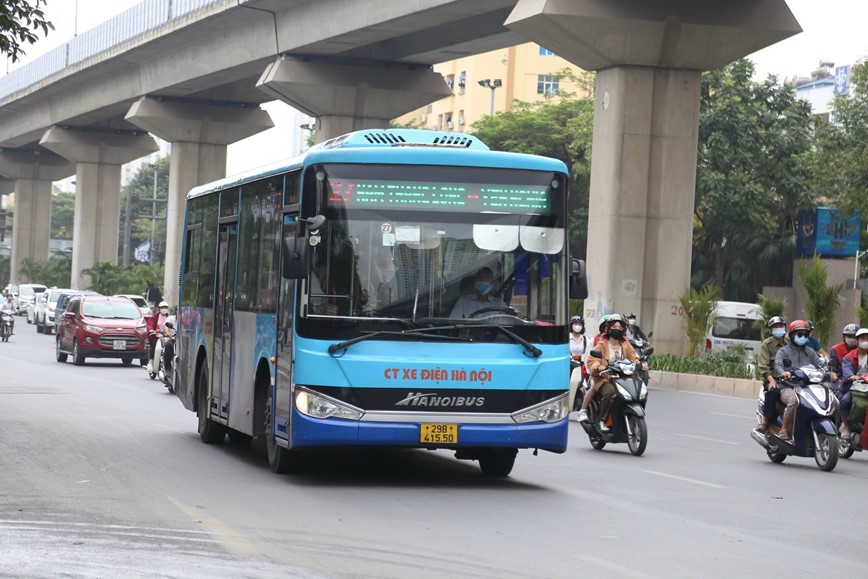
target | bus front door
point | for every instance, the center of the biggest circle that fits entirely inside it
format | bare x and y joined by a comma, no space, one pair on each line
223,308
286,315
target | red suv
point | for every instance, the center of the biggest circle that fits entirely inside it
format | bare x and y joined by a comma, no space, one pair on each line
102,327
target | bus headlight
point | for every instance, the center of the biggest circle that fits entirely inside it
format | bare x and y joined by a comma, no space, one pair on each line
319,406
548,411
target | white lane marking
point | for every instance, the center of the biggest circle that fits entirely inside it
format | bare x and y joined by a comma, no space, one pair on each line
743,416
234,543
684,479
708,439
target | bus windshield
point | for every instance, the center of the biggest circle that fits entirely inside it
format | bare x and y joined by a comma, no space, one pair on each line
437,246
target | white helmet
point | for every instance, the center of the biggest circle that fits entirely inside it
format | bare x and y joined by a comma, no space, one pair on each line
163,305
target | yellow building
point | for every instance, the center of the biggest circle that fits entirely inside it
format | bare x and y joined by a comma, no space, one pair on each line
491,82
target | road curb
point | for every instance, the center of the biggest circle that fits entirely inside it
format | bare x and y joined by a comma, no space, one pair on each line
720,385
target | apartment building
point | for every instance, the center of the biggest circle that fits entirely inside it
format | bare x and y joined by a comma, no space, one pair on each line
486,83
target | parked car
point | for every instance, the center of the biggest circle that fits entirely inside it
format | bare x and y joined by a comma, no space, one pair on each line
737,323
27,294
63,301
43,310
139,301
101,327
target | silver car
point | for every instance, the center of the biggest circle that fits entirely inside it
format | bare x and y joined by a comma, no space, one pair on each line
43,312
27,294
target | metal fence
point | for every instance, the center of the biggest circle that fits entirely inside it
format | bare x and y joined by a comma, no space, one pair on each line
138,20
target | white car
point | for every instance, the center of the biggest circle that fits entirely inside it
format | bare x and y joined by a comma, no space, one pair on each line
43,311
27,294
139,301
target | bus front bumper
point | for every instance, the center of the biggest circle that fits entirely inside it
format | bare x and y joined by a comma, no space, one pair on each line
307,432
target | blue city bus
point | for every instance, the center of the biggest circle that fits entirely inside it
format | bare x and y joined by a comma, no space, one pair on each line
386,288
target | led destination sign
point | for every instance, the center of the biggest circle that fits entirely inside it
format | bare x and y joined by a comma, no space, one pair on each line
463,197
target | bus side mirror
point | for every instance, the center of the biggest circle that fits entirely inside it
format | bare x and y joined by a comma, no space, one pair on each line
296,258
578,280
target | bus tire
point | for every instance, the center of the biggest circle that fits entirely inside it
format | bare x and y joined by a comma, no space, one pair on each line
209,431
497,462
282,460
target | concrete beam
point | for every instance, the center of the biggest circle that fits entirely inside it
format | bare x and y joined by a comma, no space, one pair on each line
598,34
34,165
98,157
178,121
347,98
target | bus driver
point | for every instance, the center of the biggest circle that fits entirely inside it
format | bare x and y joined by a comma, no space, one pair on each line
481,299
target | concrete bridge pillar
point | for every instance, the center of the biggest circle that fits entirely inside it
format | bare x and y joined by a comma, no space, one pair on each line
649,57
33,173
98,156
199,133
347,98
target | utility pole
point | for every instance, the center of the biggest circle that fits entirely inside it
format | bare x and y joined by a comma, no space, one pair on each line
493,85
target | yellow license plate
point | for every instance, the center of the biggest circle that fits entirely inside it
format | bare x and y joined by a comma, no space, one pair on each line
438,433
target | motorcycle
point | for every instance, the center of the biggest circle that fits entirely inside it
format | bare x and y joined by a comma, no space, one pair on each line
640,346
814,432
6,326
627,412
160,370
583,384
859,392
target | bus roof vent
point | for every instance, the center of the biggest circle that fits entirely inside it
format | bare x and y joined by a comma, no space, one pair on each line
403,138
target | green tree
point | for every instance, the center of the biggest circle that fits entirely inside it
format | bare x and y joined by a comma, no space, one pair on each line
753,175
20,21
62,215
110,278
823,301
700,315
54,272
561,127
141,187
841,164
4,271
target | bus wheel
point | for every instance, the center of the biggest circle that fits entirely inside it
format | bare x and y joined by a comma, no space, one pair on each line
282,460
497,462
209,431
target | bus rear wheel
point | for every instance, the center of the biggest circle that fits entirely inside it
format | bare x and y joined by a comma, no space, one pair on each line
209,431
497,462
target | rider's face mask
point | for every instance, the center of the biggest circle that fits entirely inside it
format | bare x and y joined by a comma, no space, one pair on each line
863,345
577,328
801,340
778,332
851,342
632,321
164,310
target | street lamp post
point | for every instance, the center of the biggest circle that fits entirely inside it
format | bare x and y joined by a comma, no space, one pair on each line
153,220
493,85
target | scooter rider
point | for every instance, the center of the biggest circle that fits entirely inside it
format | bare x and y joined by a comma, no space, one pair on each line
614,346
839,351
765,363
169,348
633,330
580,345
8,307
854,366
156,324
798,354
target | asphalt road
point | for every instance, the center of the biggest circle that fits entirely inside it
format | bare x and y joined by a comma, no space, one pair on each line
102,474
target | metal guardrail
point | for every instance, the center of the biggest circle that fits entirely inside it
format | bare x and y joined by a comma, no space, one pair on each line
138,20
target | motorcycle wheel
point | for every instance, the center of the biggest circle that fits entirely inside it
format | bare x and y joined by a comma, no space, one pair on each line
845,448
597,443
638,439
826,454
776,456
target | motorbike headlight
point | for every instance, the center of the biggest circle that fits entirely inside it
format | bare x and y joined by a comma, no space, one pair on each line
623,392
643,392
549,411
94,329
320,406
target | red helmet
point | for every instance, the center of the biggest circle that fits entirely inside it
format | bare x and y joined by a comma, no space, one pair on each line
798,325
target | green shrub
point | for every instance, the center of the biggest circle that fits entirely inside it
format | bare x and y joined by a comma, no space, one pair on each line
700,315
729,363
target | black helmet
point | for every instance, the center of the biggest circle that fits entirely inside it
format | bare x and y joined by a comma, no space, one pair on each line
775,320
575,319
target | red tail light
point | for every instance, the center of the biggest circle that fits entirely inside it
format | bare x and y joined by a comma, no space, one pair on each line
707,344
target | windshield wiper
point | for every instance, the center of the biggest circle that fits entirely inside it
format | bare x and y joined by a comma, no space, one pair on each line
419,333
536,352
